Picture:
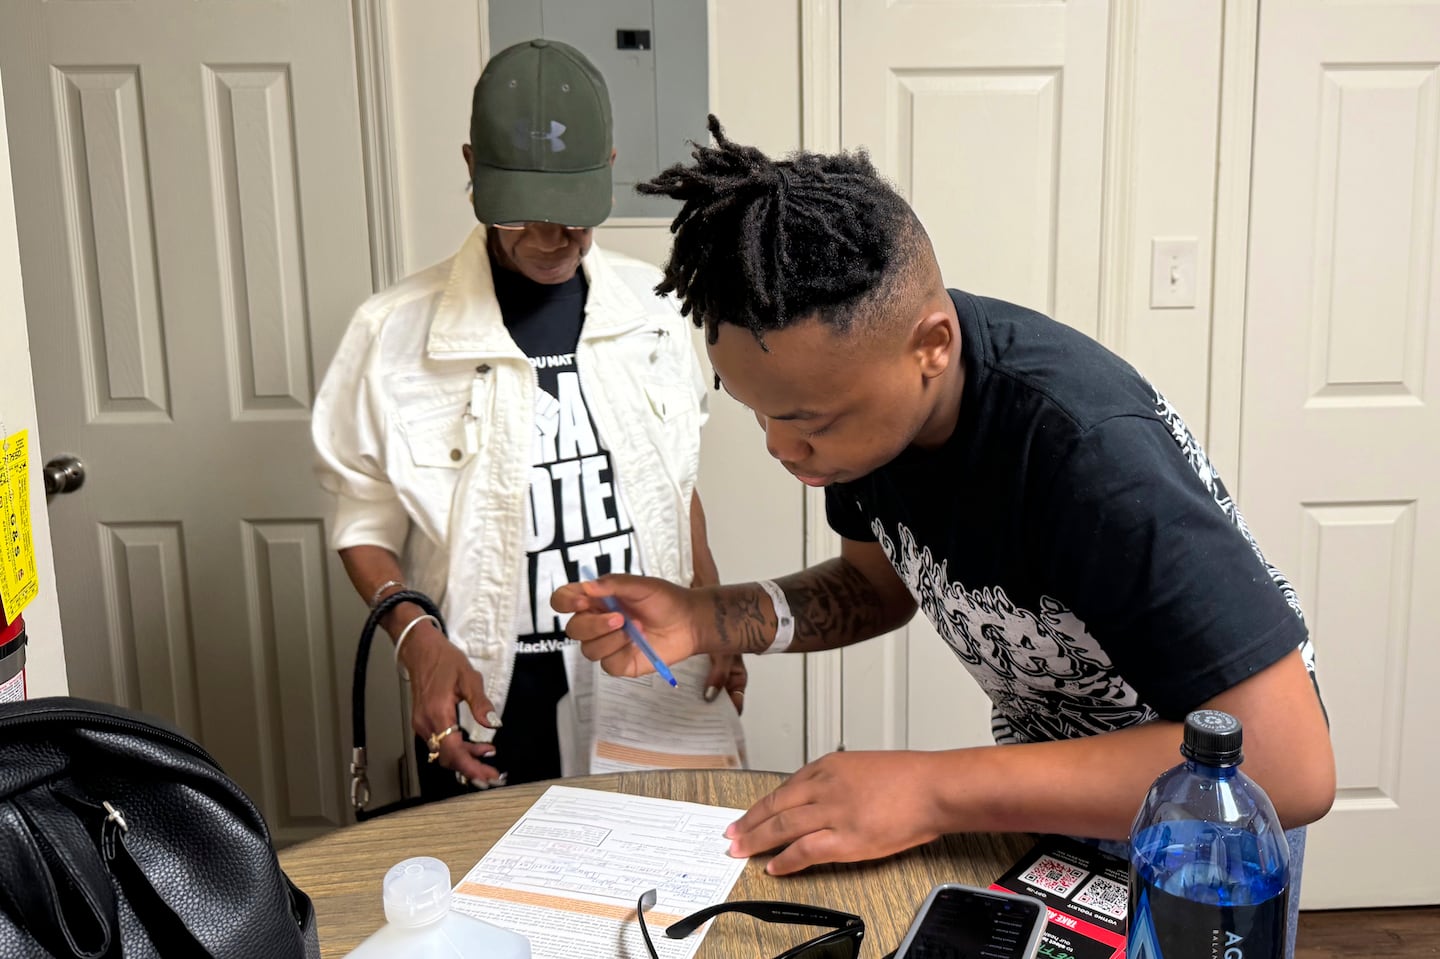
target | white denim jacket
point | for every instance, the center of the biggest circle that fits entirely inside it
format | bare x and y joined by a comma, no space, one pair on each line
424,428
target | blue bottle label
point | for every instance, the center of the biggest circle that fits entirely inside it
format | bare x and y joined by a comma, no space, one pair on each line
1165,926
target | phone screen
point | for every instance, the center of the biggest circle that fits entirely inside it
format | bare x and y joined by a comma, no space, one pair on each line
963,924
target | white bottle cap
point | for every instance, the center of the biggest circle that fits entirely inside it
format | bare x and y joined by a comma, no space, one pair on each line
417,892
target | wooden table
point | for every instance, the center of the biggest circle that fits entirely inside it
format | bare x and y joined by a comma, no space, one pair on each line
342,871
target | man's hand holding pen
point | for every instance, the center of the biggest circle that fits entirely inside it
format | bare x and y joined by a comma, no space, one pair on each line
666,613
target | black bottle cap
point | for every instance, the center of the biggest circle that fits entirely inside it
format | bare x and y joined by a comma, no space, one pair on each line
1213,738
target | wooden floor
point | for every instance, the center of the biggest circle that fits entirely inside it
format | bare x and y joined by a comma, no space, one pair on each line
1371,933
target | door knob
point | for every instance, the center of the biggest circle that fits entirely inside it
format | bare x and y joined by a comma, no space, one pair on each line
64,474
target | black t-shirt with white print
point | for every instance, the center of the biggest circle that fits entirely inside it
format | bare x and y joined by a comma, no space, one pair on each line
1071,541
574,516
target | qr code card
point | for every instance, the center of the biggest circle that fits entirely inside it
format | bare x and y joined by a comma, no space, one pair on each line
1055,876
1104,895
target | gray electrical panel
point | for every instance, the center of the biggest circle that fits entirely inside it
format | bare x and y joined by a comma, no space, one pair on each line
655,58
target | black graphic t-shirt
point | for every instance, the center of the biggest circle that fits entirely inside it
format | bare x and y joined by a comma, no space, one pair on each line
1071,541
574,516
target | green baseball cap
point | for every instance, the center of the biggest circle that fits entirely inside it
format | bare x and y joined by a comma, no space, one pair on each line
541,137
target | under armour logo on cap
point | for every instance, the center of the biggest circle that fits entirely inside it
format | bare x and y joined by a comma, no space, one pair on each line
522,135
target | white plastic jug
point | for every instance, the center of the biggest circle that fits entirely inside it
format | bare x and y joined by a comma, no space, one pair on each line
421,924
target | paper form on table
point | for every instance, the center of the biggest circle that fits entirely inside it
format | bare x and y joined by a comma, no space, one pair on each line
644,723
568,873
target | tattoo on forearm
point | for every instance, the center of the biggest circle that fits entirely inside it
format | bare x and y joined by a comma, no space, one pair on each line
742,623
833,605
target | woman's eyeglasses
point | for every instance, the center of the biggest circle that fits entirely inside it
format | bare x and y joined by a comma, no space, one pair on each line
519,225
841,942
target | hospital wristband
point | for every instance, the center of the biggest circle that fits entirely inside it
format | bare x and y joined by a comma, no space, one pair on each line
784,622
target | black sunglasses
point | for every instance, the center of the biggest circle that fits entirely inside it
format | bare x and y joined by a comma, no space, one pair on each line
841,942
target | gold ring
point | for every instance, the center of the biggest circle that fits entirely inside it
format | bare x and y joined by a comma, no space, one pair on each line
437,738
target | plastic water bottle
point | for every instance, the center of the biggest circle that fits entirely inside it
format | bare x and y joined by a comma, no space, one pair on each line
1209,865
421,925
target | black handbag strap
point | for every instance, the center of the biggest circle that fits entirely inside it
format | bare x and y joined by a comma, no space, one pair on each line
359,780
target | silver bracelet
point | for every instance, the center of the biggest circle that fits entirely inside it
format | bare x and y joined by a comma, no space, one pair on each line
375,596
784,622
400,640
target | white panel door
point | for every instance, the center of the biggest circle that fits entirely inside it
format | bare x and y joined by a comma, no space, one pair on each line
1340,444
191,208
989,117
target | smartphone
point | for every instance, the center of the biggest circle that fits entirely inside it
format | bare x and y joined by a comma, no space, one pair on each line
963,922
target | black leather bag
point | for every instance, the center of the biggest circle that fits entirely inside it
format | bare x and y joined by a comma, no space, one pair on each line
359,778
119,836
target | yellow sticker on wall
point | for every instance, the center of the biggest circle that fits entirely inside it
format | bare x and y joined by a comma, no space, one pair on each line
18,581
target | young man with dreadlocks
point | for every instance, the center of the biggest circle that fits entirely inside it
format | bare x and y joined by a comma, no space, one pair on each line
1043,505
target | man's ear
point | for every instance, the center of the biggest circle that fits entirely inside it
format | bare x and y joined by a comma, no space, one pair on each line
934,341
613,153
469,156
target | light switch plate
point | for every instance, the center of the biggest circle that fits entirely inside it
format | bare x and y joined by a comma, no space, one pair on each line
1172,272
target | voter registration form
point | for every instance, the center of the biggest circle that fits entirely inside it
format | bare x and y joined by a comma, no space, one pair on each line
635,716
567,874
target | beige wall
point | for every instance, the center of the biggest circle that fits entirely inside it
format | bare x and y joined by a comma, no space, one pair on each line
45,667
1176,95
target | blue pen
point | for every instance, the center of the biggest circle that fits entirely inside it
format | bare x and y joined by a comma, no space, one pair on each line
631,630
